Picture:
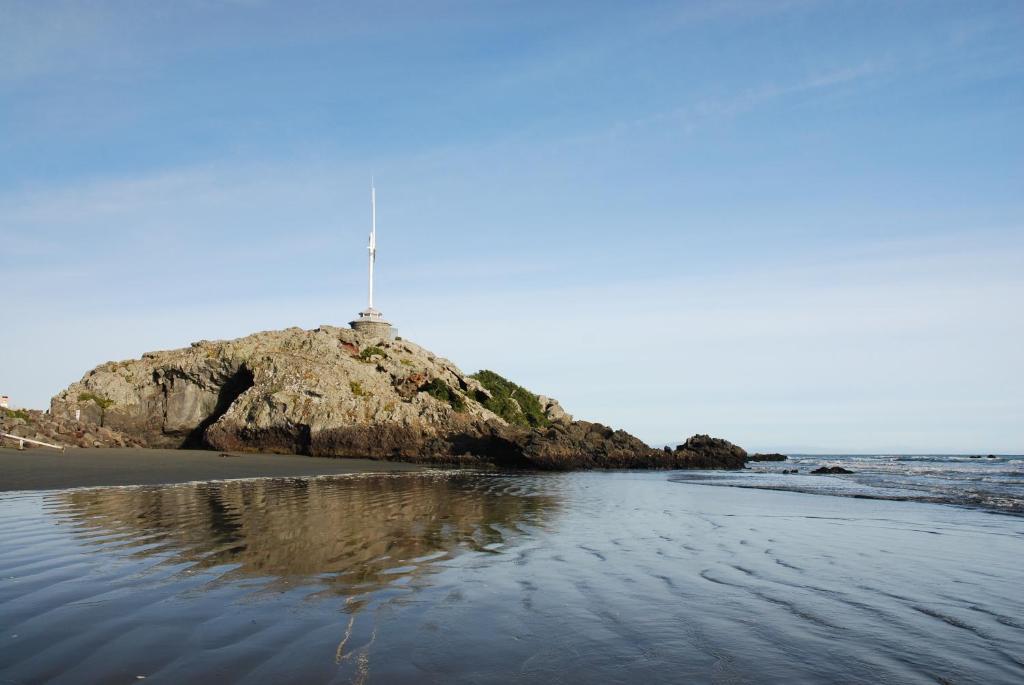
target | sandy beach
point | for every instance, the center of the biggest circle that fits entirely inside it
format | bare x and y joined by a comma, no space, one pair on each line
456,577
42,469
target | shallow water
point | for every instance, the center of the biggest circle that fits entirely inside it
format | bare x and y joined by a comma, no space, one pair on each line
482,578
992,482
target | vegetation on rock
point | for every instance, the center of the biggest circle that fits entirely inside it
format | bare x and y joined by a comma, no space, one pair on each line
440,390
103,403
38,425
368,352
16,414
512,402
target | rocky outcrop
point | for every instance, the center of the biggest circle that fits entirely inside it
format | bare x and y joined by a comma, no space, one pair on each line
63,431
335,392
774,456
553,410
830,470
705,452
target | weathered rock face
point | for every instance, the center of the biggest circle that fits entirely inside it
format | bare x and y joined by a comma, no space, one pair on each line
712,453
335,392
63,431
326,391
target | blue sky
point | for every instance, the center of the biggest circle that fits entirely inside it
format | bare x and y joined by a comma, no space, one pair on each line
797,224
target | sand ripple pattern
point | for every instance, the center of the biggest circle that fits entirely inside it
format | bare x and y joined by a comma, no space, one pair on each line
485,578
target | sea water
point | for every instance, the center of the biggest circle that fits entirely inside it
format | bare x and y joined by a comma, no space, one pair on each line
992,482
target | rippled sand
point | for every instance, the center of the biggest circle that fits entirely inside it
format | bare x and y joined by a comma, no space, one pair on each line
448,577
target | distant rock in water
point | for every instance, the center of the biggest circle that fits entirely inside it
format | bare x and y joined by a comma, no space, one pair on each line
831,469
775,456
336,392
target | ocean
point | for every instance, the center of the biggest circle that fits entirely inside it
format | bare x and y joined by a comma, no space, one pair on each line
991,482
462,577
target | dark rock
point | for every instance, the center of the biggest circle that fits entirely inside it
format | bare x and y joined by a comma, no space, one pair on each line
705,452
831,469
775,456
585,445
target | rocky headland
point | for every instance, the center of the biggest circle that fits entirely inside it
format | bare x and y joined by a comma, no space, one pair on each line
337,392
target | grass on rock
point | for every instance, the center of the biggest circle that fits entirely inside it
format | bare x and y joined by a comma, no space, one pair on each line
368,352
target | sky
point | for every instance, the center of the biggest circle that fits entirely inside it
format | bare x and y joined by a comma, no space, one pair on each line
795,224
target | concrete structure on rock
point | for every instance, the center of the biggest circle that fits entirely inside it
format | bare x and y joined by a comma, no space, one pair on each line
370,321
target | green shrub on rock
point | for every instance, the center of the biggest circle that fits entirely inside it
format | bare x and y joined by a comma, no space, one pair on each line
440,390
512,402
368,352
16,414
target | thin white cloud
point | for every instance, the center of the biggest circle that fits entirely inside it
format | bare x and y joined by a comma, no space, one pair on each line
691,116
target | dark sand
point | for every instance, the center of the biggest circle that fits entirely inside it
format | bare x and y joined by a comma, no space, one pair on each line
44,469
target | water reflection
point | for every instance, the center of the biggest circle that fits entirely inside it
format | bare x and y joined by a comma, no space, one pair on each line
482,578
352,534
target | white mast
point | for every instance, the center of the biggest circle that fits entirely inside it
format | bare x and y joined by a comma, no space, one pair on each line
373,235
370,320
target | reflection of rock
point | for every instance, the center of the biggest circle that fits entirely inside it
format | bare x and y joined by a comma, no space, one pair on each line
355,531
775,456
831,469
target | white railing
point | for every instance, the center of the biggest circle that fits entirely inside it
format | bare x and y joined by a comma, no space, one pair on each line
22,441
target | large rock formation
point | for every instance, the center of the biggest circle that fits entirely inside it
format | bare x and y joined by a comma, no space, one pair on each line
336,392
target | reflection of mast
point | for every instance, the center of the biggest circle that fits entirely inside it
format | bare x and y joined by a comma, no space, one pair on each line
373,235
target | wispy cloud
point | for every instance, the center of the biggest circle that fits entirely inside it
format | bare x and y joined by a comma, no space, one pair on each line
691,116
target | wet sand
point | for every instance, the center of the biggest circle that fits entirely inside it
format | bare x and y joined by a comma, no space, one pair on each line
457,577
43,469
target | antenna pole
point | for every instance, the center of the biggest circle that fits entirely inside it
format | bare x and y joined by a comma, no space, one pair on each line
373,235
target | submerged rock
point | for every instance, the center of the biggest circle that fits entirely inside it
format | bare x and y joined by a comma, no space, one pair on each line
831,469
335,392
